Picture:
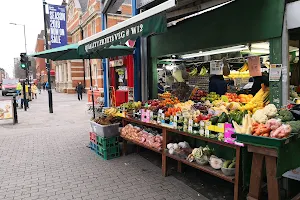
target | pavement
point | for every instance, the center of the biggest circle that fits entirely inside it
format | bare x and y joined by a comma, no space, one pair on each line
45,156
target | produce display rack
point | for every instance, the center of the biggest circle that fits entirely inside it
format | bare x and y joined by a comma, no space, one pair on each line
207,169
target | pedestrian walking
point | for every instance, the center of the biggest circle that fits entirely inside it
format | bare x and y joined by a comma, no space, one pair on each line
19,88
23,103
34,91
47,85
39,86
79,90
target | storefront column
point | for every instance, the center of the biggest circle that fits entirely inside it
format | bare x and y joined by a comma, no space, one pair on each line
69,74
60,77
56,75
137,60
279,54
105,66
285,63
144,69
65,76
153,81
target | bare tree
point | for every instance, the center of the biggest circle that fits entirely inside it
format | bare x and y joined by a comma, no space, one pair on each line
20,73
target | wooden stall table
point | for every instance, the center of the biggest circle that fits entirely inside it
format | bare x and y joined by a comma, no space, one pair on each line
207,169
277,161
270,156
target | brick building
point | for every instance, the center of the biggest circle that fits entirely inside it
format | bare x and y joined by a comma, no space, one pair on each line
41,72
40,63
84,20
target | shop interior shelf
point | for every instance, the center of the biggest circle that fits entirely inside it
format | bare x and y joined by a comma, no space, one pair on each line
206,168
142,145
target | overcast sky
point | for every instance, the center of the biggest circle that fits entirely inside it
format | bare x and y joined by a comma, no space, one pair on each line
28,12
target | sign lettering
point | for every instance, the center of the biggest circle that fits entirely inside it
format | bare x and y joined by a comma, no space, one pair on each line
102,42
57,23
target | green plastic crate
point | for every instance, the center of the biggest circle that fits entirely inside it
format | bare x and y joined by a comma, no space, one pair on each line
109,153
106,143
263,141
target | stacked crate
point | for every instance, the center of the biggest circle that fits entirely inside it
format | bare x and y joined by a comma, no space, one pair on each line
104,140
93,141
108,148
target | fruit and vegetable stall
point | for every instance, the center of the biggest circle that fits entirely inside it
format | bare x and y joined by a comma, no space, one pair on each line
196,132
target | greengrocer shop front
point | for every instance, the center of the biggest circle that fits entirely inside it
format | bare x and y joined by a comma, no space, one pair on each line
236,32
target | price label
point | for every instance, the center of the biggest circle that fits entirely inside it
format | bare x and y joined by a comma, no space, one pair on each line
202,124
190,129
207,133
191,122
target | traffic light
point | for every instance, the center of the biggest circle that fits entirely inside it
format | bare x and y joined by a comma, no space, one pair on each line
23,61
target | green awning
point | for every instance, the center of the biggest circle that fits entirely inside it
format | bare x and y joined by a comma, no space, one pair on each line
238,22
70,52
60,53
123,32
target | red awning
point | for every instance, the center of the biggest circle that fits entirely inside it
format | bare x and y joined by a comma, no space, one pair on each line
52,72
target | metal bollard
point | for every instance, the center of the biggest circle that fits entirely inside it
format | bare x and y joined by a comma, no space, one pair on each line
15,110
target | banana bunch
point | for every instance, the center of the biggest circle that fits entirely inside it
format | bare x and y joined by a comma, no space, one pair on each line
203,71
137,105
111,111
244,68
193,72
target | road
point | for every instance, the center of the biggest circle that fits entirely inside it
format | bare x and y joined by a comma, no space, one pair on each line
4,97
45,156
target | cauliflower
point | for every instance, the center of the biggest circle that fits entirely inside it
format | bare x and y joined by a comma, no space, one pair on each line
183,145
260,116
170,146
270,110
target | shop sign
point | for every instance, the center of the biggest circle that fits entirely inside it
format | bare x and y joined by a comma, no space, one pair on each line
216,68
275,72
116,63
142,3
130,32
6,111
152,25
254,66
293,174
58,25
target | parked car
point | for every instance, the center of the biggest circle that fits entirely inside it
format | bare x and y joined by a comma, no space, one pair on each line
9,86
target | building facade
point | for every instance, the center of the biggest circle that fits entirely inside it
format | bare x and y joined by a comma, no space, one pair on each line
41,72
3,74
84,20
40,63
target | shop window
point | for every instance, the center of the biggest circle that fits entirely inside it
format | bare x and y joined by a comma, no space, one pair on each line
85,32
93,27
71,12
77,37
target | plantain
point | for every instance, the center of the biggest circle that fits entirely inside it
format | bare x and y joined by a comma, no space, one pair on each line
226,163
193,72
232,165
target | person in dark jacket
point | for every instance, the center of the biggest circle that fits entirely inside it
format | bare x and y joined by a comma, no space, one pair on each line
259,81
79,90
217,84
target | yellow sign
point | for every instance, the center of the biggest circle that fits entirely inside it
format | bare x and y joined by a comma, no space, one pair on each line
6,111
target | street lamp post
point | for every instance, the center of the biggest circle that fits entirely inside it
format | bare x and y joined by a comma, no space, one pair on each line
26,70
48,61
